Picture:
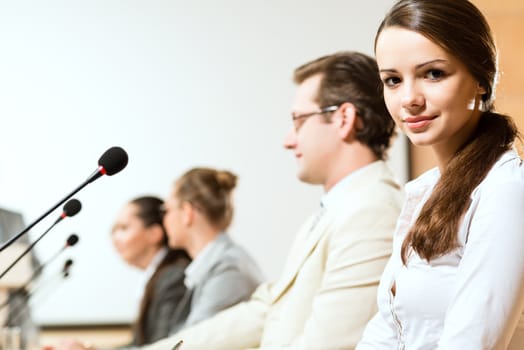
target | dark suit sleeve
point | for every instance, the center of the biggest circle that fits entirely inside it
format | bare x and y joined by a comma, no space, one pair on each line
169,289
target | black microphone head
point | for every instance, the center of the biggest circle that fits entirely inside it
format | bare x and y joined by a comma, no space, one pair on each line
113,160
72,207
72,240
67,265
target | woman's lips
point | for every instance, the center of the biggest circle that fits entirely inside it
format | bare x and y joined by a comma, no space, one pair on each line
418,122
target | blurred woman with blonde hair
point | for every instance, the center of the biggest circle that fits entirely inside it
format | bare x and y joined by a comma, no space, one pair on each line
198,213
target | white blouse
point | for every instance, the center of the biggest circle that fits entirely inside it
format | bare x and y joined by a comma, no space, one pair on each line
470,298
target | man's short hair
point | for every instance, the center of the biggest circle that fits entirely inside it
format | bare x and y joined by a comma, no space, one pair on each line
353,77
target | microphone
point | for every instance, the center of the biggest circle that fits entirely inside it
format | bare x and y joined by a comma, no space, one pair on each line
111,162
67,266
71,208
71,241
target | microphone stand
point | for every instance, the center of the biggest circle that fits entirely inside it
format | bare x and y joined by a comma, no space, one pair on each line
24,231
111,162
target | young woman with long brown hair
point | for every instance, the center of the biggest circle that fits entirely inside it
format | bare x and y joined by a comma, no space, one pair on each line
456,276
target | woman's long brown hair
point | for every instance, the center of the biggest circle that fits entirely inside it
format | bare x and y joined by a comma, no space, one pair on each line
173,257
460,29
435,230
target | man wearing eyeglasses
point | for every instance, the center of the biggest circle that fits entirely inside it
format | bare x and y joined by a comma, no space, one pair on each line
327,291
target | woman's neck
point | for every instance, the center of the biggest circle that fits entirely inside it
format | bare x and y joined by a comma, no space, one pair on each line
146,259
200,238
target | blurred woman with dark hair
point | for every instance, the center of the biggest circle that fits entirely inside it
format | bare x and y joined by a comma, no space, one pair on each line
141,240
139,237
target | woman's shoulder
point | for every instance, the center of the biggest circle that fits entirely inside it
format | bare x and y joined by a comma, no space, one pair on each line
507,173
427,178
508,169
174,271
236,258
235,254
224,253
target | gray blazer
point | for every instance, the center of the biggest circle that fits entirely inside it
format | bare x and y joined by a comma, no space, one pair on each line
226,277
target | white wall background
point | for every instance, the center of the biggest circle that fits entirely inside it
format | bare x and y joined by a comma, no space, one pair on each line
175,83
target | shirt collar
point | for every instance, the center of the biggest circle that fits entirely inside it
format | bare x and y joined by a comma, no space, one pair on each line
337,195
202,263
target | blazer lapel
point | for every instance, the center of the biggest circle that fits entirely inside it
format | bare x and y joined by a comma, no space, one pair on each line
308,238
306,242
181,312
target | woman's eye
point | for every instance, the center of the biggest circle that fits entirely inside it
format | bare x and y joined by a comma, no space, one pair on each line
435,74
391,81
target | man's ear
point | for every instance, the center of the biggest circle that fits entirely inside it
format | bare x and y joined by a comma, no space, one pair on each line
348,122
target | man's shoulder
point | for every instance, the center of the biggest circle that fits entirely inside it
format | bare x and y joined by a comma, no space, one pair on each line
373,188
370,207
378,174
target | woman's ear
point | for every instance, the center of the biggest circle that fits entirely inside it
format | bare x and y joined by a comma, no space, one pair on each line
188,214
156,234
481,90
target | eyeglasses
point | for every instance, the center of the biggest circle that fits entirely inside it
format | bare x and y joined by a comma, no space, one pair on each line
299,119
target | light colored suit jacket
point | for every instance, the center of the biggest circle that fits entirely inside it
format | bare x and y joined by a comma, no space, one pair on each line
327,292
